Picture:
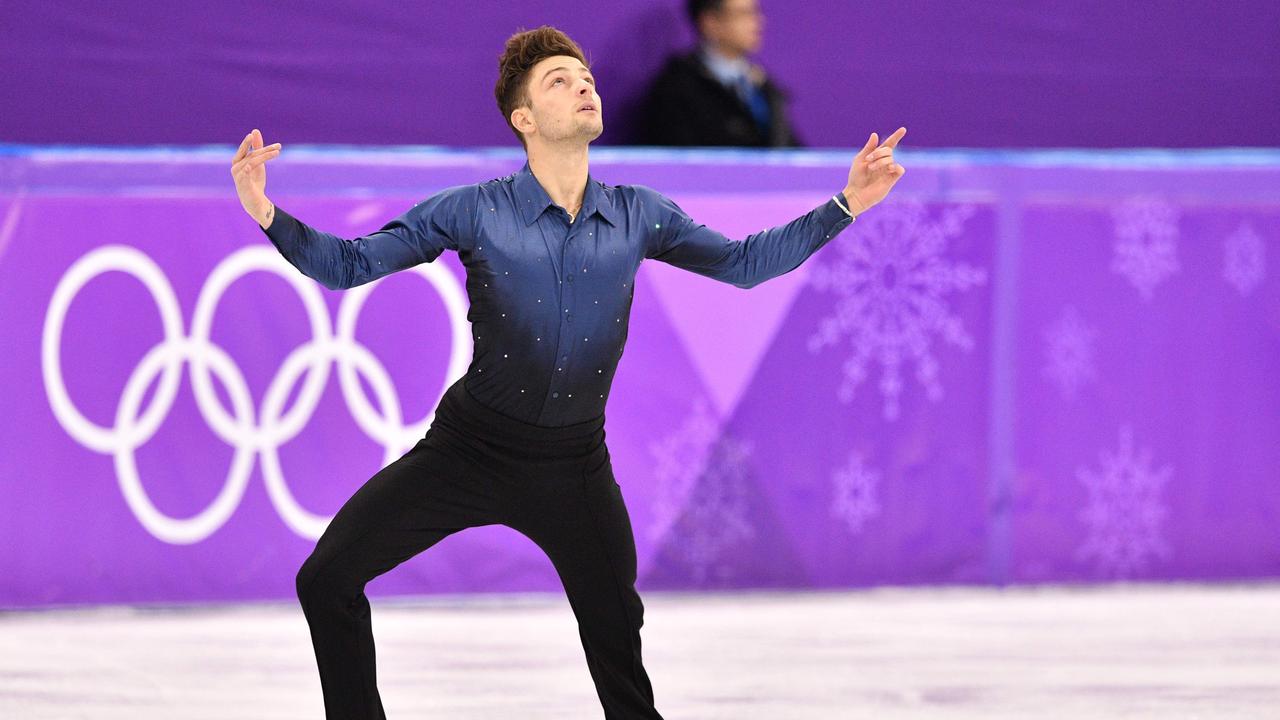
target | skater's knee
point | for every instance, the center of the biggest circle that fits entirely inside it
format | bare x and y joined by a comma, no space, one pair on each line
332,572
306,575
319,576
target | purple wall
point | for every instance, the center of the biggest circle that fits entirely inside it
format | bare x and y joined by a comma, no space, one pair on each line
1004,73
1023,367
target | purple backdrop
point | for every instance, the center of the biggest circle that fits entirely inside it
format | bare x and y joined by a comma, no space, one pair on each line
1001,73
1023,367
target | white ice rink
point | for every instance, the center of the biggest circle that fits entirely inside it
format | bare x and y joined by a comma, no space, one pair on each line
1120,651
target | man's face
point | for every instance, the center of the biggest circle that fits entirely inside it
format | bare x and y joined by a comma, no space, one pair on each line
737,26
563,103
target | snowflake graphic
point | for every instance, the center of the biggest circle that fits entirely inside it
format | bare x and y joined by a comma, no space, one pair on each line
1146,244
701,492
1069,352
892,277
856,488
679,460
1125,512
1244,259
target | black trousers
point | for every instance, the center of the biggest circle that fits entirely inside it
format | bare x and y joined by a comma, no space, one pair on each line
477,467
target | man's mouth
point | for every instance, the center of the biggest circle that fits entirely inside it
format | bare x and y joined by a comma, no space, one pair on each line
587,107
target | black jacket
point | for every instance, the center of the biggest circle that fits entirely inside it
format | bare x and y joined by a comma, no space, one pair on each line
687,105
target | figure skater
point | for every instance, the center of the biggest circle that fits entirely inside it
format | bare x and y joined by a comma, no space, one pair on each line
551,257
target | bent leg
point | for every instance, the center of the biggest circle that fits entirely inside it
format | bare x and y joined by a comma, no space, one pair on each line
405,508
583,526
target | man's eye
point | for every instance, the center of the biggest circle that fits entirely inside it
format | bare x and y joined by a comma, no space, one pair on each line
553,82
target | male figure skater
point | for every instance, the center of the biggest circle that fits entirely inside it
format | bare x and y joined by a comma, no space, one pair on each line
551,257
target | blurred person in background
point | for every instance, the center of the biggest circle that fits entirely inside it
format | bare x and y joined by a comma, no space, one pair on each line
715,94
551,258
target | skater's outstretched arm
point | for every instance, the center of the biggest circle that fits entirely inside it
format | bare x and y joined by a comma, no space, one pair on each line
418,235
677,239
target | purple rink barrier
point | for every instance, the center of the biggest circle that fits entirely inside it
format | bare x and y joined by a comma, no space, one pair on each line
1023,367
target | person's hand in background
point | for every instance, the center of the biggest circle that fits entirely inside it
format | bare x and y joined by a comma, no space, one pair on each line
873,173
248,169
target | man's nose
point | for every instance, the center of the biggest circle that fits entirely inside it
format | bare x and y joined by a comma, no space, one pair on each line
585,88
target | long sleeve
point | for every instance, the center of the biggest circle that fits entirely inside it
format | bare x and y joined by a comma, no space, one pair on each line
676,239
418,235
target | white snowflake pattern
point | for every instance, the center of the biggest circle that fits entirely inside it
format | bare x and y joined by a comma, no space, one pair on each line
701,493
1125,511
892,278
1146,243
856,488
715,518
1069,352
1244,259
679,460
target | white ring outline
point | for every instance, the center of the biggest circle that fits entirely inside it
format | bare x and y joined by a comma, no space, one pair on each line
240,430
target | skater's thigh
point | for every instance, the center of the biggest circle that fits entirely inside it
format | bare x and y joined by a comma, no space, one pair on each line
426,489
581,522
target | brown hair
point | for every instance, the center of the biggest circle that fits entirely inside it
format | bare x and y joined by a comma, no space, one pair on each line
524,50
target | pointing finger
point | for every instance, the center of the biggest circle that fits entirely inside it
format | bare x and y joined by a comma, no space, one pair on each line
892,140
262,152
265,153
252,153
250,164
260,155
256,140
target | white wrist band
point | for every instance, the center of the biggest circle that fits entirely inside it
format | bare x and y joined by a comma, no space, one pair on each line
841,205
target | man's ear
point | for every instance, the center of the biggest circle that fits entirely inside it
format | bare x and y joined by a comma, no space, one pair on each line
522,120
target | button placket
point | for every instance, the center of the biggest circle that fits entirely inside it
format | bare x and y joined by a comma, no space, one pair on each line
565,287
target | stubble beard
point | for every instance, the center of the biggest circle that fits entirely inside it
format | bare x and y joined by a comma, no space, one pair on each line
592,129
582,130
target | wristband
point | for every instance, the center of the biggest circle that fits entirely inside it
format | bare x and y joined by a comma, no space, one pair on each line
841,205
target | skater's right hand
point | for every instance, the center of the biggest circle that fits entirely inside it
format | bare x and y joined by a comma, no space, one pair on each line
873,173
248,169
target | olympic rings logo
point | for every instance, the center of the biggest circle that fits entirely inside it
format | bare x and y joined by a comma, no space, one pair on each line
274,425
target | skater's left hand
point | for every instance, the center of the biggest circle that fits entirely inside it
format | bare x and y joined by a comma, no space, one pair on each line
874,172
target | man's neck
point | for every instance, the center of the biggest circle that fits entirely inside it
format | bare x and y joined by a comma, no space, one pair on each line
723,53
562,172
728,70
